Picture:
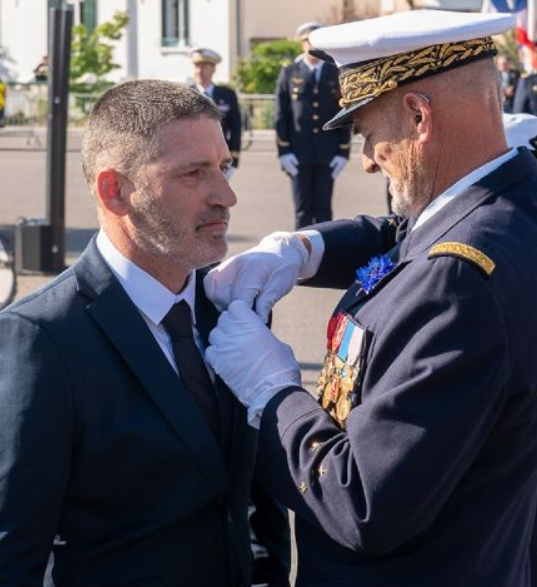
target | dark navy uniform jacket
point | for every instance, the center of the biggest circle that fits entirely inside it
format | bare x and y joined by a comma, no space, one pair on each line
228,104
526,95
433,481
302,107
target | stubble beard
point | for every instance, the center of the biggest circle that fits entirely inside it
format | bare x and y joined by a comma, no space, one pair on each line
411,190
158,235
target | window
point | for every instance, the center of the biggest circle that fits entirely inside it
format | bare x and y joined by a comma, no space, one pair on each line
88,14
174,22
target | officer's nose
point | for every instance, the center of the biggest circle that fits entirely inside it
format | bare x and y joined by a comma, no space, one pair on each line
368,164
368,161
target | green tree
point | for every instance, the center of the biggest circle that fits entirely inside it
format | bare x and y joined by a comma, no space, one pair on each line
258,73
93,53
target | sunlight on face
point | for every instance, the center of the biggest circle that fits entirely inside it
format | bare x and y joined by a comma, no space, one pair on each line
180,209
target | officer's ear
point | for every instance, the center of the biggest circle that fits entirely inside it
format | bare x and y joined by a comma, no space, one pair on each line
113,190
417,107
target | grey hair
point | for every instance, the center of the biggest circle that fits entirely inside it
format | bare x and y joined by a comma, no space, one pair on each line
123,125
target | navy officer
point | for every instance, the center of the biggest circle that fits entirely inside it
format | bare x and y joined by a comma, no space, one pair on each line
416,464
205,61
307,96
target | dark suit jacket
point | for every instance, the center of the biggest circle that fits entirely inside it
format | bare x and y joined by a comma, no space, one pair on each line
432,483
101,446
302,107
228,104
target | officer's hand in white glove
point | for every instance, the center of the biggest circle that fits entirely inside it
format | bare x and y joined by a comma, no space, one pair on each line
289,164
263,274
230,172
250,359
337,164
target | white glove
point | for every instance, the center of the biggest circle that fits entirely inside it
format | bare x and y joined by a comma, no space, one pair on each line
230,172
337,164
263,274
289,164
254,364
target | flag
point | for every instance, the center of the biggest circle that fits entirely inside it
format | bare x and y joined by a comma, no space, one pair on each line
503,5
526,26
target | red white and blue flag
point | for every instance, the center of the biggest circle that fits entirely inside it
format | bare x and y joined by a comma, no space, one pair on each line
526,17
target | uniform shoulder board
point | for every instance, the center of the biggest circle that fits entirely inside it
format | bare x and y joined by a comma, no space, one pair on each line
465,252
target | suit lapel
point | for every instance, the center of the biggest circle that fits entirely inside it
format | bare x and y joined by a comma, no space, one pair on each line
122,324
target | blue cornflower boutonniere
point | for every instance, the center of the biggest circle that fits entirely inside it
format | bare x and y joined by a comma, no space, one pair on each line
367,277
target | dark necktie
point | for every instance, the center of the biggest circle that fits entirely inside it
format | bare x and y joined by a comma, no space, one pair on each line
178,323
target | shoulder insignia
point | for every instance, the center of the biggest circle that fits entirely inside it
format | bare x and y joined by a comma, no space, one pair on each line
465,252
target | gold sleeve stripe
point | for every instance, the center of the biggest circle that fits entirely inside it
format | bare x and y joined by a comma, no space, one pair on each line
235,154
283,143
346,146
465,252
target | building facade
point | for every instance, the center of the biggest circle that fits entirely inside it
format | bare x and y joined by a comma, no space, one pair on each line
161,33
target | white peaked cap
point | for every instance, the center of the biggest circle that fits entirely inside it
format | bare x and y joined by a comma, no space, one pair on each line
204,55
304,30
521,130
379,54
363,40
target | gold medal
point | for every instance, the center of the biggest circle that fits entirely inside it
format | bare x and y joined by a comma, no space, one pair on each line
343,408
325,397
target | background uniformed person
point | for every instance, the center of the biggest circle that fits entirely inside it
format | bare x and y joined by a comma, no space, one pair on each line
526,92
417,466
509,77
205,62
307,96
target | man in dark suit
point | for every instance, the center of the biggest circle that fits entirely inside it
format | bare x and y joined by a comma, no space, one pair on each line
205,62
121,453
417,465
307,96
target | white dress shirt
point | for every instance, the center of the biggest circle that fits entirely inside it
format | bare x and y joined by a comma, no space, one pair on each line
317,68
208,91
152,299
464,183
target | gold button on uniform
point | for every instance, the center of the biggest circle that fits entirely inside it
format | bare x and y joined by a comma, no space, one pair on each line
315,117
315,104
315,131
315,445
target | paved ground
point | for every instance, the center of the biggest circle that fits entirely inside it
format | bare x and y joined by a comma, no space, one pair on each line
264,205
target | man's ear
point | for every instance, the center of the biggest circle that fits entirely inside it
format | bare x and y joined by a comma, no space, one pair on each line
113,189
418,108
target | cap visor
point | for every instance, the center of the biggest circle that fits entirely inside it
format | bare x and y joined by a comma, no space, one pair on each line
344,116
